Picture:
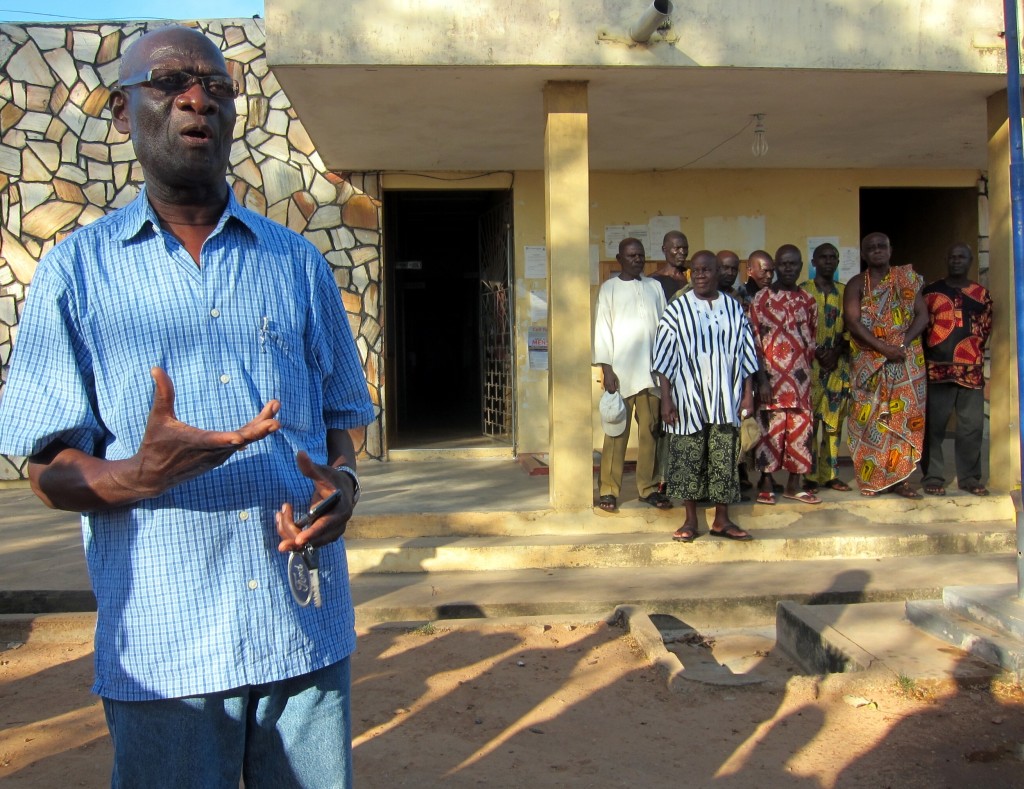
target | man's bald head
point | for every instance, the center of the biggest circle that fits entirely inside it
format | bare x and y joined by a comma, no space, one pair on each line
161,42
761,267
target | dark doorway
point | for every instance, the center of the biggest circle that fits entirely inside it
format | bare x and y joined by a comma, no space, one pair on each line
448,324
922,223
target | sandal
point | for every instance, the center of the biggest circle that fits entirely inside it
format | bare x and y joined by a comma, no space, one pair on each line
869,493
905,491
804,495
732,532
685,534
608,503
935,490
765,497
810,487
658,500
838,485
975,490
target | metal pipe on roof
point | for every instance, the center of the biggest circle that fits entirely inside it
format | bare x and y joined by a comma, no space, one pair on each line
653,18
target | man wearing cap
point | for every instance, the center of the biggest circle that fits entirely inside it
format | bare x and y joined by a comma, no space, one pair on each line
629,306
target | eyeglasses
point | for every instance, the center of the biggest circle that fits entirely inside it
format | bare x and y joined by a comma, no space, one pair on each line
217,86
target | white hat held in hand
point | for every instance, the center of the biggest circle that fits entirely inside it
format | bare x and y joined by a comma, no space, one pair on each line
613,413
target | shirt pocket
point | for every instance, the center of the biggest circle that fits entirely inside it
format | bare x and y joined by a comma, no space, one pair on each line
281,373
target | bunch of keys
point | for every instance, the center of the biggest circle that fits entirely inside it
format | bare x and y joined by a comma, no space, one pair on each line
303,565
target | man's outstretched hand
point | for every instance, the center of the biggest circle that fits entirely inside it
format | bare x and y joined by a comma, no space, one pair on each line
171,452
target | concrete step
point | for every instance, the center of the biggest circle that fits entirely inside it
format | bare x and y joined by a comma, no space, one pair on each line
701,595
994,605
826,639
990,645
495,507
814,535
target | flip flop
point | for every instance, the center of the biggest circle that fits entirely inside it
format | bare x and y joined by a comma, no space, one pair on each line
608,503
732,532
689,534
657,500
976,490
810,487
839,485
935,490
765,497
804,495
906,491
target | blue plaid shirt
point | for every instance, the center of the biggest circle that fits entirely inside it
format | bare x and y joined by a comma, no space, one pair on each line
192,593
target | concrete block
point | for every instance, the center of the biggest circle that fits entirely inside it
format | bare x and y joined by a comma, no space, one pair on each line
994,605
994,647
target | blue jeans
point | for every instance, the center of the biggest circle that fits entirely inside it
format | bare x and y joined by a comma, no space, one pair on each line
292,733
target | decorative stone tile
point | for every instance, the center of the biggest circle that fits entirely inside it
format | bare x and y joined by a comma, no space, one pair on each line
48,153
125,196
73,117
47,37
243,53
296,219
96,193
90,214
33,195
109,47
234,35
280,180
256,137
37,98
7,48
96,151
99,172
277,122
22,263
324,218
46,220
298,137
34,122
369,237
86,45
108,73
90,79
121,172
114,137
323,191
360,211
68,191
9,116
28,65
32,169
321,239
279,212
123,152
249,172
277,147
68,146
342,278
95,129
255,201
71,172
63,65
258,107
58,96
96,102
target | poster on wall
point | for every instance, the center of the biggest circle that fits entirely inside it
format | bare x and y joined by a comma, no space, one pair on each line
657,227
741,234
535,262
538,306
614,234
849,263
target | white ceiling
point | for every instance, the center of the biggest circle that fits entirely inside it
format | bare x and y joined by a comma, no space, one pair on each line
491,118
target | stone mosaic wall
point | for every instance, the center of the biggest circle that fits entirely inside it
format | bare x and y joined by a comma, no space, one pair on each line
62,165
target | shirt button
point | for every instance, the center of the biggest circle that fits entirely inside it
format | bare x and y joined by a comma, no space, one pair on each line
214,313
243,515
253,584
225,378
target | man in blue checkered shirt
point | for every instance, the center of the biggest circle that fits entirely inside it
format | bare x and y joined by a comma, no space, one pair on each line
185,377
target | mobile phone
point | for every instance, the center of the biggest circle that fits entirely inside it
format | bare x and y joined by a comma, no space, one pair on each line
319,509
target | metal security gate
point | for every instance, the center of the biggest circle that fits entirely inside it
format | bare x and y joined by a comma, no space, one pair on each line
497,351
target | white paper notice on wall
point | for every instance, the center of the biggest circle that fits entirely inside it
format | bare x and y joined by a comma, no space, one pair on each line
538,360
535,261
741,234
613,235
657,227
849,263
538,306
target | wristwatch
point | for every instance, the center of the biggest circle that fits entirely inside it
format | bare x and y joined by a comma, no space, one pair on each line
355,481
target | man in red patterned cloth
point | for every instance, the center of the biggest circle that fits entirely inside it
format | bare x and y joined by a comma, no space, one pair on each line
785,321
960,321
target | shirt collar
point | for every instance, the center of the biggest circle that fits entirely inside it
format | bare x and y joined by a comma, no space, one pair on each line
138,213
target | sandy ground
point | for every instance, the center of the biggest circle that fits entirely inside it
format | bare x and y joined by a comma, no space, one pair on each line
561,705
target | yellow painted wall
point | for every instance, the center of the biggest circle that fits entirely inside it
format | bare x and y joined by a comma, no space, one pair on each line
794,204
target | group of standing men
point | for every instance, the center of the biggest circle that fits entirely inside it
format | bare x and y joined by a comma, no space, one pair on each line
696,357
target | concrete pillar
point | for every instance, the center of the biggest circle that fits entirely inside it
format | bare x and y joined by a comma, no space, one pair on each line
567,222
1004,430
